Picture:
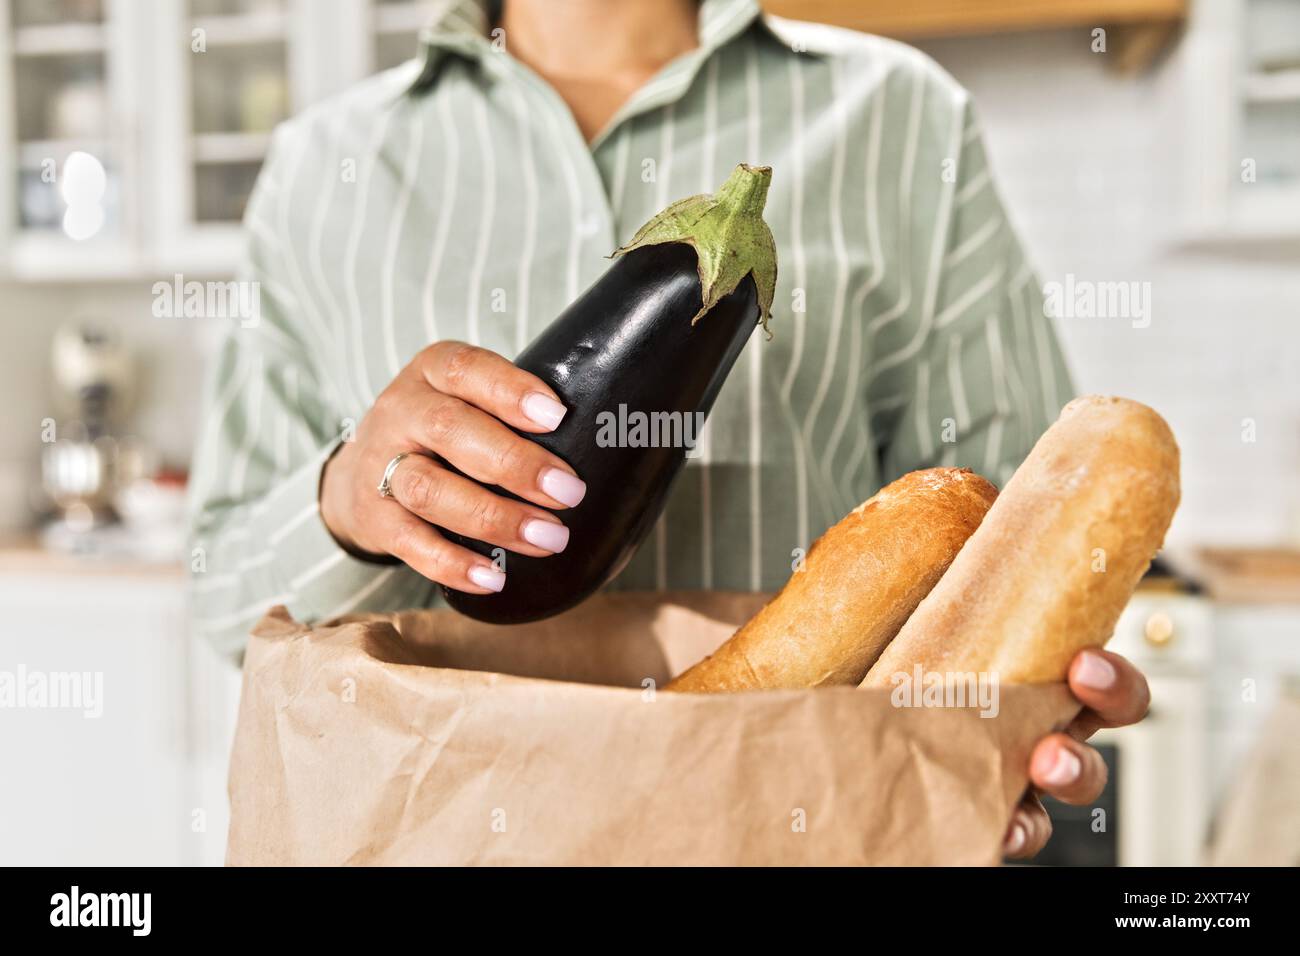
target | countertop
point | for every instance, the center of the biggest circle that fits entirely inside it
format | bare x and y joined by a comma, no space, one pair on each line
25,555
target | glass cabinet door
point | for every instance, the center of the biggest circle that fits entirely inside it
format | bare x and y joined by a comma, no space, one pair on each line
239,89
69,156
1269,128
397,25
138,127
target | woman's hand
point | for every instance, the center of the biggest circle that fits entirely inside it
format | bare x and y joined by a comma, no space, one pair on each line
455,401
1114,693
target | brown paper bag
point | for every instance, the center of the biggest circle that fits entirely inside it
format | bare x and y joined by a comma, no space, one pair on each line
427,738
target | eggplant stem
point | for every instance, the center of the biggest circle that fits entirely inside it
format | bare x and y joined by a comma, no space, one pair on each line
727,232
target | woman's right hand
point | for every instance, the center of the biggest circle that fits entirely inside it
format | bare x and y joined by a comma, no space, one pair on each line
452,401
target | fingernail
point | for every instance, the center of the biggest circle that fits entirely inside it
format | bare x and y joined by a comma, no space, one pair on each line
1015,839
543,410
489,578
563,487
548,535
1095,671
1065,770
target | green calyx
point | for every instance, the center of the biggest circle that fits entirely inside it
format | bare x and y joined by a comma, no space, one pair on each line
728,234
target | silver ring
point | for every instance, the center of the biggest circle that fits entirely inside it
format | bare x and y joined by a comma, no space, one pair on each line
385,483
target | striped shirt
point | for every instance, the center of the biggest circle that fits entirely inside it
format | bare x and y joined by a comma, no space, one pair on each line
455,198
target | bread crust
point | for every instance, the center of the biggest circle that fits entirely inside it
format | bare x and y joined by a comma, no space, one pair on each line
1057,557
859,582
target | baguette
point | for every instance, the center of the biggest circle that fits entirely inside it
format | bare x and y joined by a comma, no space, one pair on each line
1058,556
859,583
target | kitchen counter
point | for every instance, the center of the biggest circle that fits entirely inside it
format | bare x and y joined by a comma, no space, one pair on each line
142,779
26,555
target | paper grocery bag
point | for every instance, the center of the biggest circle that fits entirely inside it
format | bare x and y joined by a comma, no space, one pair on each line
427,738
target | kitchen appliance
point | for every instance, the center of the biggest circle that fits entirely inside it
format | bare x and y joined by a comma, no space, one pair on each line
84,462
1156,807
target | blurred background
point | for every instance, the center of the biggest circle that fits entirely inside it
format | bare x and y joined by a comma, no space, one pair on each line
1149,141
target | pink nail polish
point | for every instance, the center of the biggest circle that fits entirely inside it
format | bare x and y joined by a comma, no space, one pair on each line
489,578
546,535
1095,671
563,487
1065,770
543,410
1015,839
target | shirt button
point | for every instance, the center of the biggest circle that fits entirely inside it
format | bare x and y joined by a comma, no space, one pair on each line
589,225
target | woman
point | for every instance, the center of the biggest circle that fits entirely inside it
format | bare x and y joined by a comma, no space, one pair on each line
413,233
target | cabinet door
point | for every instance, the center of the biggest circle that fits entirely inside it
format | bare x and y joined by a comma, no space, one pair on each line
1268,134
214,688
1164,809
104,777
231,71
172,103
68,77
230,80
396,27
1257,664
1241,86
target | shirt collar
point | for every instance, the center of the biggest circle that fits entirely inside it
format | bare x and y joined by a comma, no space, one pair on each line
456,27
461,28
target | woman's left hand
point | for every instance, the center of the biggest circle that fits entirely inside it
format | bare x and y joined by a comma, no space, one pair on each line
1114,693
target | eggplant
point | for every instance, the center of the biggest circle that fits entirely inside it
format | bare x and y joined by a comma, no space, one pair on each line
638,359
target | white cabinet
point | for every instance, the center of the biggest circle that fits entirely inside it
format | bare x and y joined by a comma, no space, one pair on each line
1242,73
130,768
213,707
235,71
1217,671
176,99
68,79
1162,805
1258,663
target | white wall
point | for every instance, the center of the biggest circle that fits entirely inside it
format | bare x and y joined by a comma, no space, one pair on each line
1092,167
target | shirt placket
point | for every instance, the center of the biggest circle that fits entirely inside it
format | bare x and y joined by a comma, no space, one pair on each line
592,217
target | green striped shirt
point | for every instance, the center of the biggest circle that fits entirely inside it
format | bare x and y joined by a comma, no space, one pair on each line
455,198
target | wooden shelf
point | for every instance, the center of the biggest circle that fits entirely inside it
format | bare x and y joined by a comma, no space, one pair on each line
1251,575
914,19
